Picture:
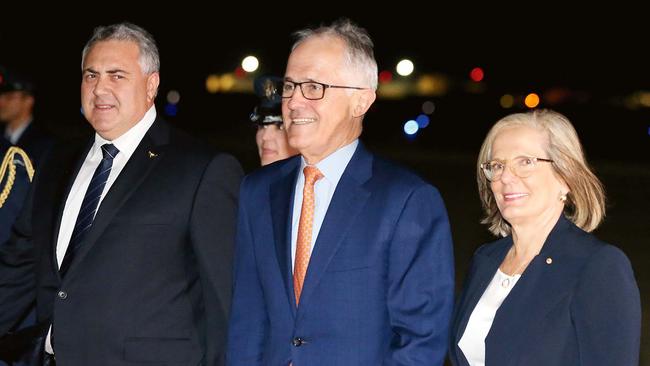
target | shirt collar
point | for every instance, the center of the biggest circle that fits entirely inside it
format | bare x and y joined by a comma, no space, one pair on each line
333,166
129,141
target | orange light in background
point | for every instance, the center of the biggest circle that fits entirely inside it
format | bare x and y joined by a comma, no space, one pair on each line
532,100
507,101
476,74
385,76
212,83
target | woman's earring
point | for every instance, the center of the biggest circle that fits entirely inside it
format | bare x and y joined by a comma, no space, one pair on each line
563,197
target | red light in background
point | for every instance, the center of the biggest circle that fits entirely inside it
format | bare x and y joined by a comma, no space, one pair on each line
240,73
385,76
476,74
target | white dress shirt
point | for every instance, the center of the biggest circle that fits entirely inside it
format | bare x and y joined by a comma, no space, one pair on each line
332,168
472,343
126,144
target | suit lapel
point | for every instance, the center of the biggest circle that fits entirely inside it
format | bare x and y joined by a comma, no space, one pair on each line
485,268
71,173
132,175
282,194
347,202
538,290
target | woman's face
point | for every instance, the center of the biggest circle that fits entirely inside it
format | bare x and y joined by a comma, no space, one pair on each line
272,144
534,198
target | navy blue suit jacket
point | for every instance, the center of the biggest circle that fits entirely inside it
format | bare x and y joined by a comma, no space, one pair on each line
581,307
379,287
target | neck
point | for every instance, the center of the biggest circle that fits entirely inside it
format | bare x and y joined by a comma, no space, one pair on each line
528,239
17,123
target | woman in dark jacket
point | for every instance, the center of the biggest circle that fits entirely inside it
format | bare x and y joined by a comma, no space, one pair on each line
547,293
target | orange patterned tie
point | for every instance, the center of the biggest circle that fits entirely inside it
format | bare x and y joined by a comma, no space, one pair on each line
303,244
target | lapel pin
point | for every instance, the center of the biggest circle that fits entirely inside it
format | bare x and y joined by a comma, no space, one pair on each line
152,154
549,260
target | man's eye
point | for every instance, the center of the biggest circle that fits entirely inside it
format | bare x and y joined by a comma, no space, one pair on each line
314,87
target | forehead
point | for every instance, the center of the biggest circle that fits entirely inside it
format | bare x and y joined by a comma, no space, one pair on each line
519,140
317,58
112,53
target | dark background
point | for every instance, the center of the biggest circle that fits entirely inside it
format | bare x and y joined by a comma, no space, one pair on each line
596,56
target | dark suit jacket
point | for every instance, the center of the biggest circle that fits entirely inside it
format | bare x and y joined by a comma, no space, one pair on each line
582,308
379,286
151,283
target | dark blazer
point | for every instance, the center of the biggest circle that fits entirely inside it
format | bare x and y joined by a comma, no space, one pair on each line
151,283
379,285
577,303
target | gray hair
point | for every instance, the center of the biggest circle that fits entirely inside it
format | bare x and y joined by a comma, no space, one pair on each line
149,58
359,55
586,197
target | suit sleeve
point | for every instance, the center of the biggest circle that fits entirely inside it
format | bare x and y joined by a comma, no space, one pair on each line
17,269
607,311
212,232
248,320
421,281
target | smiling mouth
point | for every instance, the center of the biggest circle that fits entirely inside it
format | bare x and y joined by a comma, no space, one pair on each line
104,107
514,196
302,121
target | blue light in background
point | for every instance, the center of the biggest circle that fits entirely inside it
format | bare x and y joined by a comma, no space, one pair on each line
171,110
422,120
411,127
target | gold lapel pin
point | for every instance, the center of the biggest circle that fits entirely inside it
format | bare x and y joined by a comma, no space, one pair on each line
152,154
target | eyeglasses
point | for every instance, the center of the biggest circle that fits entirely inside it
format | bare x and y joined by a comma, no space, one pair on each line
311,90
522,166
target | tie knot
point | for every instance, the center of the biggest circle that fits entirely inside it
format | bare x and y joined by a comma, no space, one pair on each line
312,174
109,151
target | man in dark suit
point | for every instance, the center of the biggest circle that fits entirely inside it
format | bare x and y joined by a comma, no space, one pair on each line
17,114
342,258
128,239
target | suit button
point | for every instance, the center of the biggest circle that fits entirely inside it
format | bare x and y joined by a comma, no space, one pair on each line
62,295
297,342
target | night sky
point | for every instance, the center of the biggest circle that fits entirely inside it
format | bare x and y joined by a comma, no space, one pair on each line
596,55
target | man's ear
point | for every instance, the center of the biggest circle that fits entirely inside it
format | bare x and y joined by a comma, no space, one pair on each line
362,102
153,81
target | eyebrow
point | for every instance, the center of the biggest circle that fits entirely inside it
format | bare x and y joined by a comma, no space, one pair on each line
308,80
111,71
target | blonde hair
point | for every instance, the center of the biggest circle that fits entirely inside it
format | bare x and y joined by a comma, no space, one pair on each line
585,204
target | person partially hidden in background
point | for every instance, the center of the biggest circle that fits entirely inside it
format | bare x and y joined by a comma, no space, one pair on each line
271,138
548,293
16,174
17,100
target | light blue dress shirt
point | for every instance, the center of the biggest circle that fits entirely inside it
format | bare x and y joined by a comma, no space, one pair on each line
332,168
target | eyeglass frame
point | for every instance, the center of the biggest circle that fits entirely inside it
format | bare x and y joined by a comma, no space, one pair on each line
504,162
325,86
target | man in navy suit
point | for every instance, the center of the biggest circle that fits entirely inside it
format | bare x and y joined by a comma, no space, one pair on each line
126,241
342,258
